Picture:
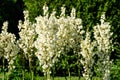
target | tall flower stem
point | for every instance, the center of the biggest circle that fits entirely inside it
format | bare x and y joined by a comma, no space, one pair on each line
30,67
69,73
48,74
23,74
103,37
3,68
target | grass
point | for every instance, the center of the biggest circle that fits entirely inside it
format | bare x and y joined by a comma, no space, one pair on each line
1,76
42,78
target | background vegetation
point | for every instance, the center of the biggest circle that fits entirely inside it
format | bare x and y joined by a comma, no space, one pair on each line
12,11
88,10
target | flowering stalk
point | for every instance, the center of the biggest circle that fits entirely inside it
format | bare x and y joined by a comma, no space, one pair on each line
46,29
102,36
54,34
27,38
8,46
87,53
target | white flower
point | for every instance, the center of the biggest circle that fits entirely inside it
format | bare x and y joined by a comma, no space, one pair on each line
45,66
87,52
27,35
9,48
62,11
102,36
45,9
73,13
54,33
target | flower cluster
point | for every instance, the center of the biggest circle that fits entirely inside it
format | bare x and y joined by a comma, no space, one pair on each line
100,46
102,36
27,35
87,52
8,46
55,33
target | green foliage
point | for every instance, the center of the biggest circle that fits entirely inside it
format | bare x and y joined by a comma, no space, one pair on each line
115,72
11,11
68,62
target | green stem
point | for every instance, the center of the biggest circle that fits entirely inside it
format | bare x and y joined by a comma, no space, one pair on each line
30,66
48,74
3,68
78,73
69,74
53,73
23,74
32,75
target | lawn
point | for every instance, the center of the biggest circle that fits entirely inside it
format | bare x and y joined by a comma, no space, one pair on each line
42,78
